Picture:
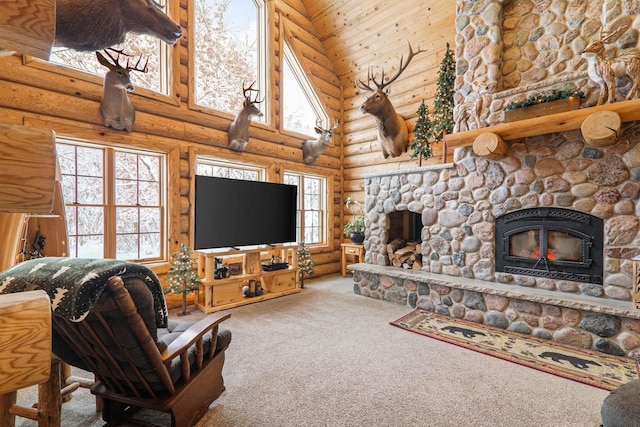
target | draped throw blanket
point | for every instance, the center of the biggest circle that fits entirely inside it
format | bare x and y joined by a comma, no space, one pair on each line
74,285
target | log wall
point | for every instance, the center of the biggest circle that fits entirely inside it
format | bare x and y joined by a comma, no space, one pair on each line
44,95
335,42
357,35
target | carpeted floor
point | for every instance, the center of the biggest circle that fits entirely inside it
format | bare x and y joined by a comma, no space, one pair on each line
327,357
589,367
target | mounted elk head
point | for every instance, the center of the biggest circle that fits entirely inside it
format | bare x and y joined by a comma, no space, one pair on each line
91,25
312,148
239,130
392,129
115,105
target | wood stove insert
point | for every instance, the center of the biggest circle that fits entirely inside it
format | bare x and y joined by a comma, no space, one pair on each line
553,243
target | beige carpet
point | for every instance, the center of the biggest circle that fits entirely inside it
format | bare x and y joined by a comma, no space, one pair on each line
327,357
597,369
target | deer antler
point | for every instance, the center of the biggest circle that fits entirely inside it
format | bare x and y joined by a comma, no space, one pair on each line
250,89
383,84
116,60
144,69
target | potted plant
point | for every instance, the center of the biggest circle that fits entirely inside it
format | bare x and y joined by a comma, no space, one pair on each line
355,228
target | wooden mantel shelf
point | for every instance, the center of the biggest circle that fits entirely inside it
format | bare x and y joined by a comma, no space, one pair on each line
561,122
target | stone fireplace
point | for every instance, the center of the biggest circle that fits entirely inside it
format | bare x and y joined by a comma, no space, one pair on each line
582,198
567,271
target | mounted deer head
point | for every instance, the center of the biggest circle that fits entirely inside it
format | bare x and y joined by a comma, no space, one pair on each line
239,130
115,106
392,129
91,25
312,148
599,67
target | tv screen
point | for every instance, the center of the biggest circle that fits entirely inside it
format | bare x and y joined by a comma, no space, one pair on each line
233,213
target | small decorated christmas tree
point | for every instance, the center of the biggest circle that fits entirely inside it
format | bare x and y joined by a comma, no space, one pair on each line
183,276
442,117
305,263
422,133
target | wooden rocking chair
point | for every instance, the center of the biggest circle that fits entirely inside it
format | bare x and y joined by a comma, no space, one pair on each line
140,358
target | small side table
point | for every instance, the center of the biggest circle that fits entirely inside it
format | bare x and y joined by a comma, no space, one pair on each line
357,251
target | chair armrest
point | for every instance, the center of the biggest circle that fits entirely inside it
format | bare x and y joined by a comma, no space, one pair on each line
194,333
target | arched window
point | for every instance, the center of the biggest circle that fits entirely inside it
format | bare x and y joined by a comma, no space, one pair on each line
301,109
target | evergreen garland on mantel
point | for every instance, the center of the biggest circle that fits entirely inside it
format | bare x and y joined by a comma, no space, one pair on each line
542,97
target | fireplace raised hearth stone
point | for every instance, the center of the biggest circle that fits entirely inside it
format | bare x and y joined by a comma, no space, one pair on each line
459,203
576,320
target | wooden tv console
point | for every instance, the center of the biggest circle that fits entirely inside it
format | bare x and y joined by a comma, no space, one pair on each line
220,294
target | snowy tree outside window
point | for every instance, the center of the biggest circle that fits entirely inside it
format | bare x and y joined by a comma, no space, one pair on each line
223,169
126,223
312,203
300,107
226,40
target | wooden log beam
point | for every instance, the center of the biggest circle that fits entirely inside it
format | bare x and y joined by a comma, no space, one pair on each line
490,145
601,129
25,339
28,26
561,122
27,169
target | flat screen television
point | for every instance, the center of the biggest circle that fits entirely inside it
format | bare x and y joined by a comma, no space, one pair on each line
232,213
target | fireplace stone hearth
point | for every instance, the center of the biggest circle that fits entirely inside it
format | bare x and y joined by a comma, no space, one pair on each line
507,51
459,203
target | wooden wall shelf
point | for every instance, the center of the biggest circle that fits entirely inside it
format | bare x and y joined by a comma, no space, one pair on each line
561,122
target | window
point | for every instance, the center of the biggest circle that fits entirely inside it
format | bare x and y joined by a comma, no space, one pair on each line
311,206
114,201
300,106
228,51
222,169
138,47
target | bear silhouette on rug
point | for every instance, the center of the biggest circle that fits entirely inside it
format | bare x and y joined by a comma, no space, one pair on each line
575,361
467,333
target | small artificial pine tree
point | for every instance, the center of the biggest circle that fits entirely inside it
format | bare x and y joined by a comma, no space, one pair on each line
422,132
305,263
442,118
183,276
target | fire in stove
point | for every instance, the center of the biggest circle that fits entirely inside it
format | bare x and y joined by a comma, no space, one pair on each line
550,242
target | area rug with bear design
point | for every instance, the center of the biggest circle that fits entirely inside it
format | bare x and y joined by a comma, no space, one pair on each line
589,367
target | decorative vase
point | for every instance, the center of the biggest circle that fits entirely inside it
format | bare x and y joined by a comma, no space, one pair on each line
357,237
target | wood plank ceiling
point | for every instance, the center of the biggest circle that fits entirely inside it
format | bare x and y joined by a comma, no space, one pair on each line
357,35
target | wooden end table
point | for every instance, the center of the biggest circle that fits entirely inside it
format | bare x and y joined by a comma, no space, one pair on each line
354,250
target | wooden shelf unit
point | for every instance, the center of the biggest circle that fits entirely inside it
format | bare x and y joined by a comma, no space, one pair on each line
220,294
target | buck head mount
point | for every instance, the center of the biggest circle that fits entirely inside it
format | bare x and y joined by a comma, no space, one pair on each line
116,107
239,130
92,25
312,148
392,129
